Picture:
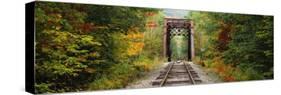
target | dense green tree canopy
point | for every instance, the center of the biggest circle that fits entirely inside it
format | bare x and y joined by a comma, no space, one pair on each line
77,44
242,41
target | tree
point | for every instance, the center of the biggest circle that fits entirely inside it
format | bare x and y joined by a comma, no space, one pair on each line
243,42
77,45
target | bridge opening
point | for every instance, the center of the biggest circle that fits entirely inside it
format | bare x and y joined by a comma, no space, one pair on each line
179,46
178,39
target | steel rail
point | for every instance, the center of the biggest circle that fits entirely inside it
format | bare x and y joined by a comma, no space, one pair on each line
166,75
189,74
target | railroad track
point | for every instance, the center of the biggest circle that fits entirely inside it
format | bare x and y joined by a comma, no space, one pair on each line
177,73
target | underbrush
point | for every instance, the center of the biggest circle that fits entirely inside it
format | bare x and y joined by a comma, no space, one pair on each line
121,74
228,72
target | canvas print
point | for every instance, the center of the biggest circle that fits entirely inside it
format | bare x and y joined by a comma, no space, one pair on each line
74,47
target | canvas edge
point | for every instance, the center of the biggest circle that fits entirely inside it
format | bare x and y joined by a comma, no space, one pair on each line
29,47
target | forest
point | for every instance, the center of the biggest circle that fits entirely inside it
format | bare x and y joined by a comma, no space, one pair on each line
89,47
235,46
81,47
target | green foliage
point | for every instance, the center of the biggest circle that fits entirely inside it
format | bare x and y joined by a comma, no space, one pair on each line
62,53
43,87
113,17
85,47
244,42
179,47
131,67
119,77
153,37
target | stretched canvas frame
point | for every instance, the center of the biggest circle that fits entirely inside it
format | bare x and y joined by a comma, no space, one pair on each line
74,47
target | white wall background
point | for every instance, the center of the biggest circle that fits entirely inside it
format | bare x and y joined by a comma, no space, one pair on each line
12,29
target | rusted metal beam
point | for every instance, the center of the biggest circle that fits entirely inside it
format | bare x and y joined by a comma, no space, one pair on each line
192,39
